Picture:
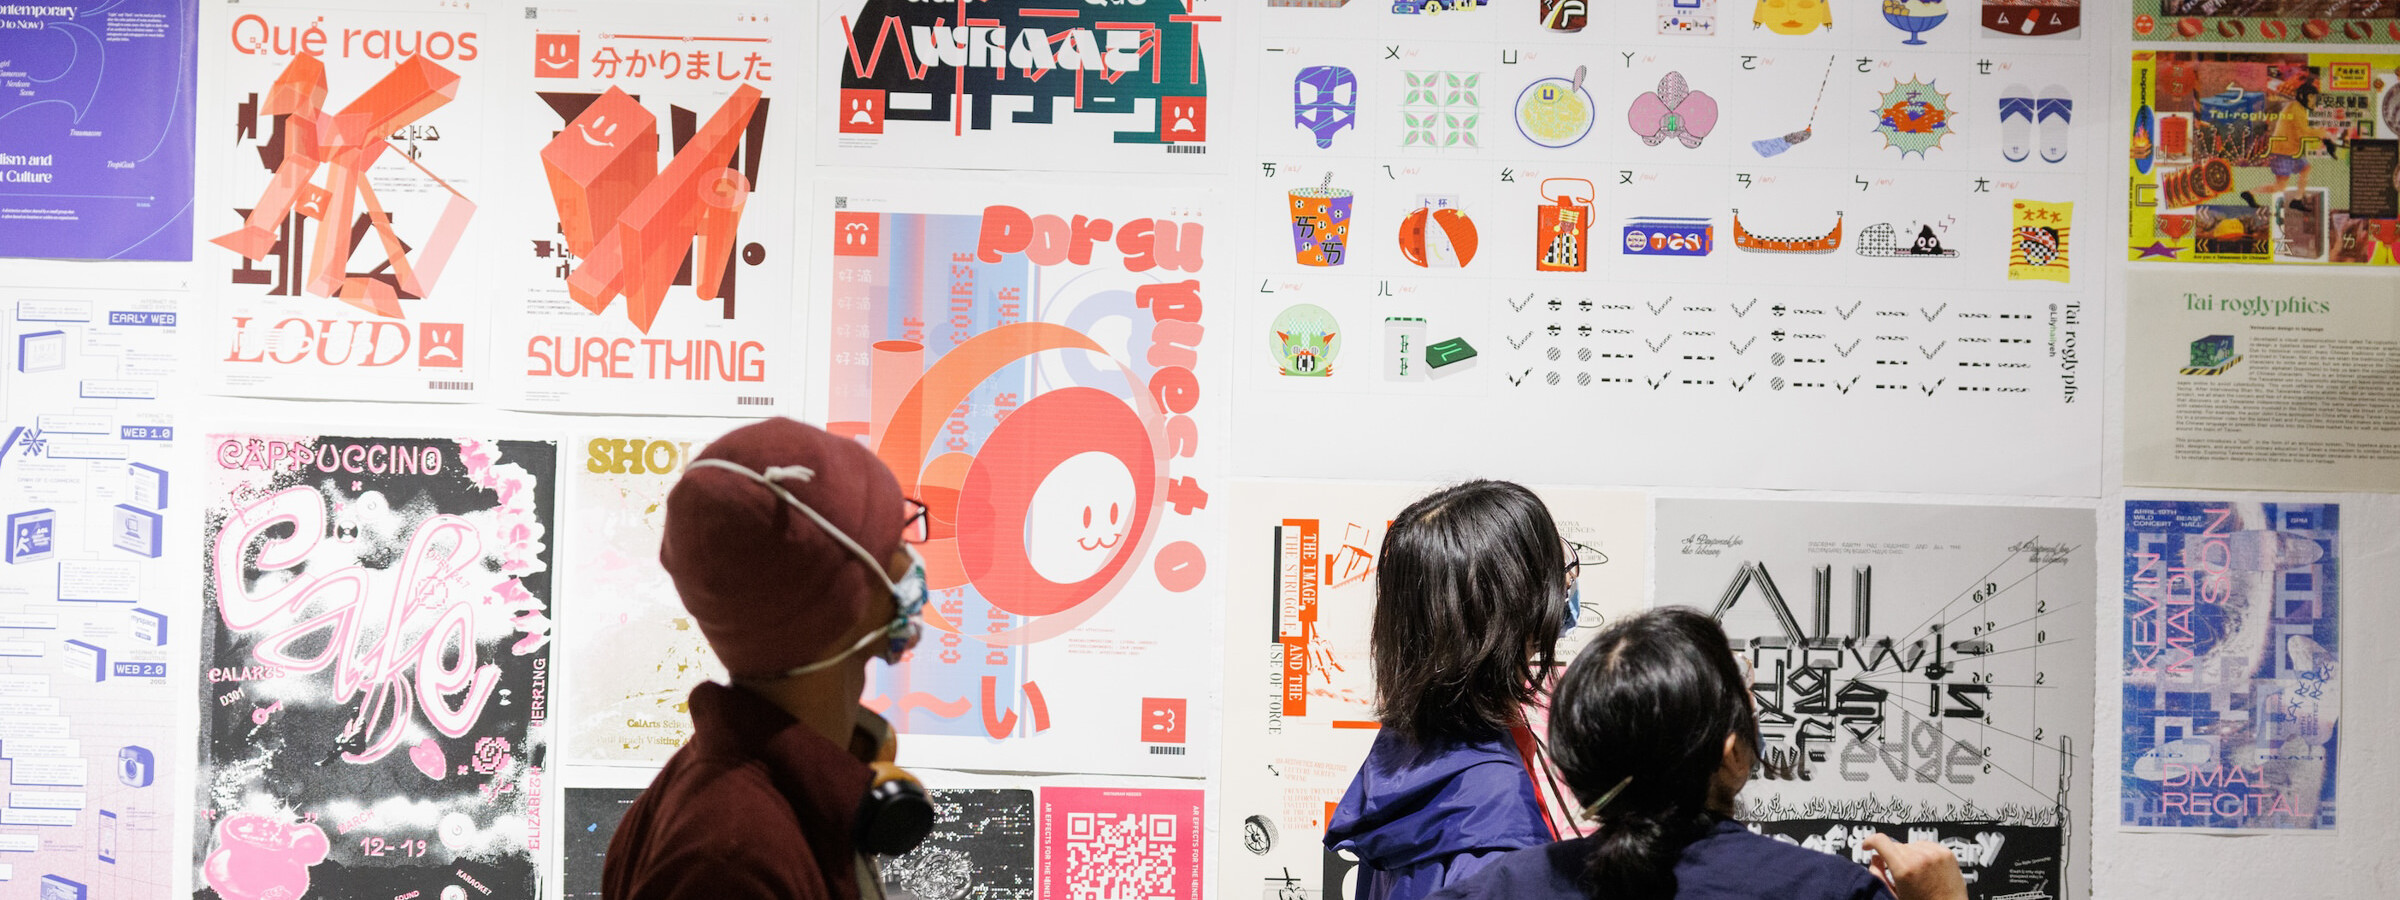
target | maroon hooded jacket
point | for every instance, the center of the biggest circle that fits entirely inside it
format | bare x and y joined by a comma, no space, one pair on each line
756,806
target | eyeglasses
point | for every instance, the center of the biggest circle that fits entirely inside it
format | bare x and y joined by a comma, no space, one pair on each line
918,527
1580,555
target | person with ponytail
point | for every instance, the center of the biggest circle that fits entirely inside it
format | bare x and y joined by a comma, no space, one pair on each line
1654,730
1473,588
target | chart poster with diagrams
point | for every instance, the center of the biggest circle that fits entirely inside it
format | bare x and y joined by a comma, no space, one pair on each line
378,615
1920,669
2280,158
2303,22
83,177
1479,234
2232,665
1020,84
636,654
345,150
1036,364
94,619
651,260
1299,686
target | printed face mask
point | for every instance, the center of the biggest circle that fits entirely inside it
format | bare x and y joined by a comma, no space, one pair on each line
1574,606
908,594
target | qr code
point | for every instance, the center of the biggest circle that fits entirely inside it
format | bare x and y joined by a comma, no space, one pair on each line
1121,857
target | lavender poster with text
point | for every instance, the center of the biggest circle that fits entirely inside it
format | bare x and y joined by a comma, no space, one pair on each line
2232,665
96,129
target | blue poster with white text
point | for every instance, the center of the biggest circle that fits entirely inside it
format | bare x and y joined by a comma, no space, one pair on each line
96,129
2232,665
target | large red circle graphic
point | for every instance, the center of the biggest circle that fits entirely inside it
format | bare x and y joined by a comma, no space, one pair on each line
914,446
1021,462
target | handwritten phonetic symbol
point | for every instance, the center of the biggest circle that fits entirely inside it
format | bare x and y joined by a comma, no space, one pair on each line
1937,311
1937,348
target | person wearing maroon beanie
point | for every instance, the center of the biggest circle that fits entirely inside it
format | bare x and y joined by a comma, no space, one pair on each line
792,549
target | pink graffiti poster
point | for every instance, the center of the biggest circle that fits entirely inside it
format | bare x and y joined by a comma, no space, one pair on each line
343,203
376,641
1106,843
1035,364
647,187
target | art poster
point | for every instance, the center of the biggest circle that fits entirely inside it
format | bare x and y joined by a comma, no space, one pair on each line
2031,18
83,177
647,280
2261,380
2305,22
1464,221
93,620
345,155
1035,364
1122,842
1922,671
2232,665
982,846
591,821
2283,157
378,665
1019,84
635,654
1299,685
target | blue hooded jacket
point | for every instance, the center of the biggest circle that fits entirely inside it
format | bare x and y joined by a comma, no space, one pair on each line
1419,819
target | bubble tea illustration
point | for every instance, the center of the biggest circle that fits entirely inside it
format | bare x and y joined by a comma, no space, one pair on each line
1321,224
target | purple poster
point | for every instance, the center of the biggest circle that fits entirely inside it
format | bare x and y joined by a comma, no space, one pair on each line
96,129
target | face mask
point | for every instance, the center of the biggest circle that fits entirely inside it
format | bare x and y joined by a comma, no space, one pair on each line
908,594
1574,606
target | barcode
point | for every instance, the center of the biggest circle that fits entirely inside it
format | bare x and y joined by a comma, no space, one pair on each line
450,385
1166,751
754,401
1187,148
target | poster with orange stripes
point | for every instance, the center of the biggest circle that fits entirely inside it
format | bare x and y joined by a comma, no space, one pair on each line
345,202
649,260
1299,687
1038,365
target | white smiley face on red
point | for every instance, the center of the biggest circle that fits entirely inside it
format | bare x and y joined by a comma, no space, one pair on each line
1078,516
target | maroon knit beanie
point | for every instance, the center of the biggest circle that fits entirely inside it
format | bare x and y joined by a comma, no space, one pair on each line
770,589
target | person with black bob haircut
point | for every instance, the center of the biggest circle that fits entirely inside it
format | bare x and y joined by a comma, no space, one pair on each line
1654,730
1473,589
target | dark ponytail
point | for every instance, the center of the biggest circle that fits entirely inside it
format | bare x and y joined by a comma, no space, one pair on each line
1640,721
